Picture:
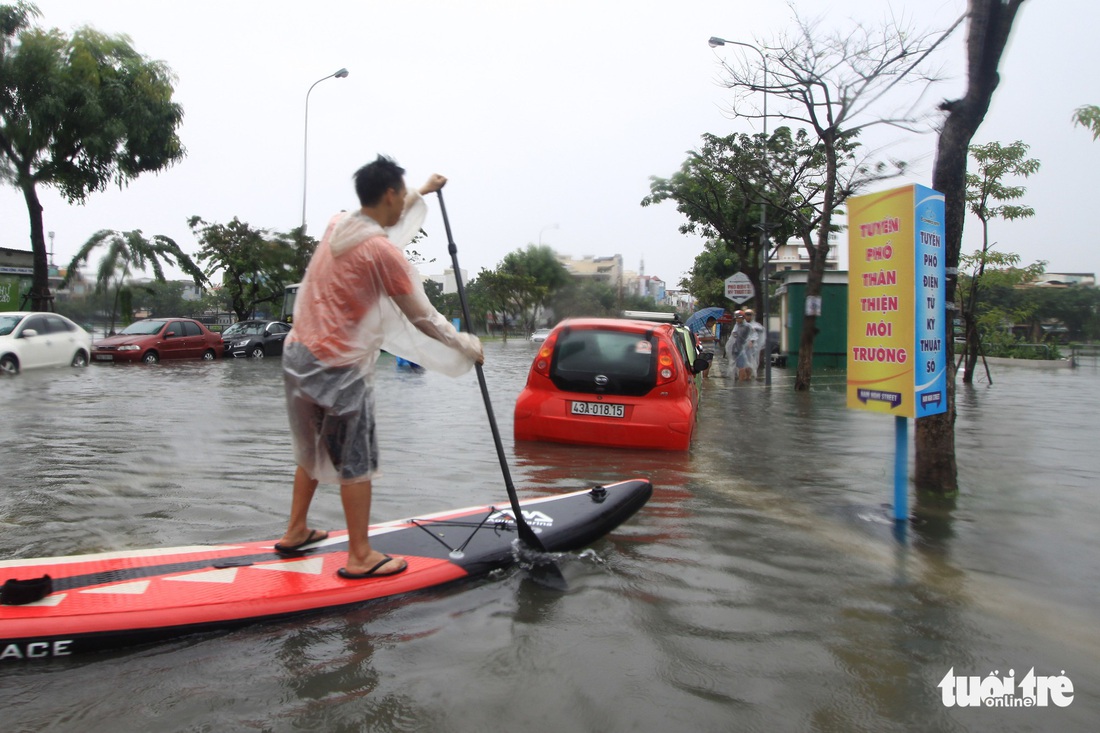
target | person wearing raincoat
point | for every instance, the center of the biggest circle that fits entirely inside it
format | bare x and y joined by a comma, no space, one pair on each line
739,348
359,295
757,341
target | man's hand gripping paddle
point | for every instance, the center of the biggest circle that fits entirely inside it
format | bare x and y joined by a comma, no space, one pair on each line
546,573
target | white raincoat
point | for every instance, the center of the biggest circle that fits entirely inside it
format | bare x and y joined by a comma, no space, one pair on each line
360,295
739,346
757,344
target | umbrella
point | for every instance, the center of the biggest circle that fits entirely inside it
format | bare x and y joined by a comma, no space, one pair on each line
699,318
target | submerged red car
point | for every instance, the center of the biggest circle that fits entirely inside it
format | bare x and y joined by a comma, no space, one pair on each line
613,382
154,339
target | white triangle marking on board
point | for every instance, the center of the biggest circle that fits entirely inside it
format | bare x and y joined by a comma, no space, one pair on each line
222,575
309,566
135,588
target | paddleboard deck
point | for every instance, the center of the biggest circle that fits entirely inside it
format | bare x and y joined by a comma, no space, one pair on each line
115,599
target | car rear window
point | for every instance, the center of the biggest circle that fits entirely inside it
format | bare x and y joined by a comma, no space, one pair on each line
605,362
58,325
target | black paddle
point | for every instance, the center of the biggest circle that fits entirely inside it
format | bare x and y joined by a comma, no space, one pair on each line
552,576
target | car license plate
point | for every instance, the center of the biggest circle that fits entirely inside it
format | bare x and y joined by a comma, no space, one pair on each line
600,409
104,357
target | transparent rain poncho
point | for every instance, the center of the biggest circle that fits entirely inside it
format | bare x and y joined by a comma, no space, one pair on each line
359,296
740,346
756,344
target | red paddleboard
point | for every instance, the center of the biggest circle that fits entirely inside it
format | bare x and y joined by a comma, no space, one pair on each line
113,599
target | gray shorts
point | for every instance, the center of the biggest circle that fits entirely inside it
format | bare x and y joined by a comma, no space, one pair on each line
331,413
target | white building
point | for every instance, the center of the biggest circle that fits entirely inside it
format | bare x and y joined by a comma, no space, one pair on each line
447,280
607,269
793,255
1065,279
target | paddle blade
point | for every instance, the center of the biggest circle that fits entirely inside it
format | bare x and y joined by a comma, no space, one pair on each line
540,566
548,575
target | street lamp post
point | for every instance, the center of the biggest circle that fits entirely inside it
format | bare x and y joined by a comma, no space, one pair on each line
548,226
305,145
715,42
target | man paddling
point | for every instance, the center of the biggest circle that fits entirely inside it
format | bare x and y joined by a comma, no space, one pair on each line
359,296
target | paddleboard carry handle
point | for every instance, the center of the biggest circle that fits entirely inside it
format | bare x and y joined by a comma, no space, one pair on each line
17,592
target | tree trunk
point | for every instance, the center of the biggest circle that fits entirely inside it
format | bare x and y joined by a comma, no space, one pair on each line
819,255
990,23
41,300
809,332
972,348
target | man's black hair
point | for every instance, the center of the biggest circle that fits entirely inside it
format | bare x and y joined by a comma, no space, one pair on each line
375,178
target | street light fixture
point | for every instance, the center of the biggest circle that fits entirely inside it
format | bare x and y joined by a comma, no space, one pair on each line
305,145
715,42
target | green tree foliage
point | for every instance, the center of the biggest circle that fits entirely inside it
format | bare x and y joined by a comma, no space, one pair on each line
164,299
707,276
583,297
587,297
1088,117
1010,303
77,113
1077,307
508,294
988,321
255,265
530,277
715,192
531,287
988,197
129,253
434,291
722,186
413,254
836,84
478,300
304,246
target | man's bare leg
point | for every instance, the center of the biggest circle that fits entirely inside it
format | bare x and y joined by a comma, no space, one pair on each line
297,529
356,498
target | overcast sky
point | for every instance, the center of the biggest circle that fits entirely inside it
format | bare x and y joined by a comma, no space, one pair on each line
548,117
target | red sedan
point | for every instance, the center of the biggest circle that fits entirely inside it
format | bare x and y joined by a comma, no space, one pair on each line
612,382
154,339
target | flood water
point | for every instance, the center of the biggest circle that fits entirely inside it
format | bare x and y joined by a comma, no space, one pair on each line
762,588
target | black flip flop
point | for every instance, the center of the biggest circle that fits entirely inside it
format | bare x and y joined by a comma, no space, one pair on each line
343,572
313,537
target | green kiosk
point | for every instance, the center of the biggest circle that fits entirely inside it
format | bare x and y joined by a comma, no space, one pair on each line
831,343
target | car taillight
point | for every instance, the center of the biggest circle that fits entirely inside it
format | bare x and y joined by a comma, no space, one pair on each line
543,358
666,365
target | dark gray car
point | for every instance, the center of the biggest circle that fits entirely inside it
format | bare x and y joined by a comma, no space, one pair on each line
255,339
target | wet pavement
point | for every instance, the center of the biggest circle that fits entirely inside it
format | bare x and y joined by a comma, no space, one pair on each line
762,588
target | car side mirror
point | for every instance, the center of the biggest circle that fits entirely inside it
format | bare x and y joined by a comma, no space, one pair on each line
702,362
170,334
28,333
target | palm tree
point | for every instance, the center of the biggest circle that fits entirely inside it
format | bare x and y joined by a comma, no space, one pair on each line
129,252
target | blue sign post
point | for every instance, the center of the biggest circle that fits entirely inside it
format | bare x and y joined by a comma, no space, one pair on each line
897,327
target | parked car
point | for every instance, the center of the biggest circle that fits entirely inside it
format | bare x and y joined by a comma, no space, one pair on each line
29,340
154,339
625,383
539,335
255,339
